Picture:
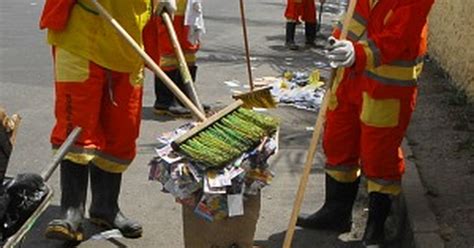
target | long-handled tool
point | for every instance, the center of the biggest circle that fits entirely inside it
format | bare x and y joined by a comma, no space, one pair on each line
219,139
320,16
60,153
315,138
183,67
260,97
149,61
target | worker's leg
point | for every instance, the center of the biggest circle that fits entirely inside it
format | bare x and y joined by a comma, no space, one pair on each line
163,97
104,209
310,33
74,181
292,15
166,102
341,146
384,122
120,119
309,18
79,86
290,35
193,72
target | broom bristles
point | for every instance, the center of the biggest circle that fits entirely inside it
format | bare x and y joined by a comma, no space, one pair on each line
228,137
258,98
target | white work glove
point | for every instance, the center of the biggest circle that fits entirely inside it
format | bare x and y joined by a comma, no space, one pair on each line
340,53
164,5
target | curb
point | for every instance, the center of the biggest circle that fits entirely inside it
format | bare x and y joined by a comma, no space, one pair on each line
421,219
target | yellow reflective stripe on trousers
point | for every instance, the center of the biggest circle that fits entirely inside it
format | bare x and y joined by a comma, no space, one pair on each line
344,175
383,186
168,61
110,164
78,155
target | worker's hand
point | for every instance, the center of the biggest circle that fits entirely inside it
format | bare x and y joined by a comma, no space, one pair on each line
340,53
164,5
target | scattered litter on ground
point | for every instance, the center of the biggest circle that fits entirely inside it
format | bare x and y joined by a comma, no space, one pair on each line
109,234
232,83
302,90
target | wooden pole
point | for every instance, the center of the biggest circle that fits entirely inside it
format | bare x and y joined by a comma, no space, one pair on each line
183,66
246,44
314,139
149,61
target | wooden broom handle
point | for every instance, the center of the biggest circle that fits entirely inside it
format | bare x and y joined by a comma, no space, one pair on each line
315,138
149,61
246,44
183,66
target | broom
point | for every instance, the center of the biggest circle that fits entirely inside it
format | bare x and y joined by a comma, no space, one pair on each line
183,67
260,98
315,138
217,140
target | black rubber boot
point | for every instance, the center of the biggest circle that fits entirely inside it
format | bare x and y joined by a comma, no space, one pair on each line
164,96
379,208
74,181
310,33
104,210
166,103
336,213
290,36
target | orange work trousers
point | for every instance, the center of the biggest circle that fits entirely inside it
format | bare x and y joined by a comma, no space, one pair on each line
301,10
357,133
106,104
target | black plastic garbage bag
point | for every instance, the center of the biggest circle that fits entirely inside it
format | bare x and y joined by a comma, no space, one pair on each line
25,194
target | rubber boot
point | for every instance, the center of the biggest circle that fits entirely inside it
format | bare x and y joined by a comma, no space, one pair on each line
166,102
336,213
104,210
310,34
74,181
379,208
290,36
164,96
193,72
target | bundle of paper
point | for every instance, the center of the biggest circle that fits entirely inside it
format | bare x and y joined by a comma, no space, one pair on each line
214,193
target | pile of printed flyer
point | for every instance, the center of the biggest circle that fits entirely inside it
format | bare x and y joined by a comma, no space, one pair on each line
213,193
298,89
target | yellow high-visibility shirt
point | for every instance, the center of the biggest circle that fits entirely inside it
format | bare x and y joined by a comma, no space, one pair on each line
88,35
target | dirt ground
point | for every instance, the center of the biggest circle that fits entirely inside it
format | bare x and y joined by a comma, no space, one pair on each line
441,135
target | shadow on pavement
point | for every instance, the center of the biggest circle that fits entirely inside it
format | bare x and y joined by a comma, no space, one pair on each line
148,114
308,238
35,237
